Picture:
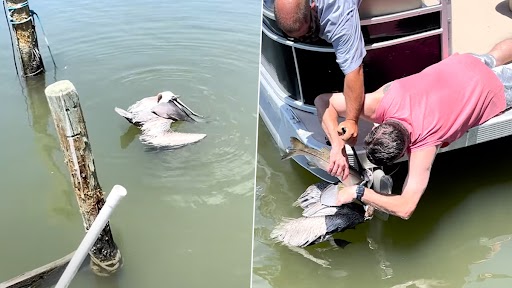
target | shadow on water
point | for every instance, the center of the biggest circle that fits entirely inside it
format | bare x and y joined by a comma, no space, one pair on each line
127,138
503,8
40,120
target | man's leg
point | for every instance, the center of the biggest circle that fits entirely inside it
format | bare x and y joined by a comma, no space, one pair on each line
321,104
504,73
324,101
499,55
502,52
499,59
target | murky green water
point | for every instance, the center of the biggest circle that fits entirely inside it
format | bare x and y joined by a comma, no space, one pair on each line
187,219
460,234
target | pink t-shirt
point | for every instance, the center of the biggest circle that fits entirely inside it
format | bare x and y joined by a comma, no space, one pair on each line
439,104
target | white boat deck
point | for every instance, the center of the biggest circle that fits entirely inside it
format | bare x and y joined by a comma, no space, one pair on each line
477,25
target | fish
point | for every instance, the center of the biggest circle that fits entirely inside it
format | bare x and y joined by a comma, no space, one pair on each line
320,159
154,116
319,222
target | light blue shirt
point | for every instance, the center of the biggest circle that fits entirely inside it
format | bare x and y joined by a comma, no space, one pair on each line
340,25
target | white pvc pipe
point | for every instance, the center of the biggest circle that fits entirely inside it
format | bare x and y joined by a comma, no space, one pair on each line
117,193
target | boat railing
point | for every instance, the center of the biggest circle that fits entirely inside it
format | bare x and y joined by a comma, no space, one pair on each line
433,21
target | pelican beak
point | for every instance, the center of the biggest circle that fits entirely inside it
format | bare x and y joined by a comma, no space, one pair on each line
185,109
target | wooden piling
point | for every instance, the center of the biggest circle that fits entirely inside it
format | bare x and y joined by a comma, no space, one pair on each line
65,108
23,26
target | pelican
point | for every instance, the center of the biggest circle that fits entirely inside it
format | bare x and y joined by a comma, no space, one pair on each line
320,221
154,116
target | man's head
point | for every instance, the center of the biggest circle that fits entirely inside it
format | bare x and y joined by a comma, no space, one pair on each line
386,143
297,18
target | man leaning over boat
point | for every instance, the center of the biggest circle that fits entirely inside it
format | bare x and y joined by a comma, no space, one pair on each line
336,21
423,112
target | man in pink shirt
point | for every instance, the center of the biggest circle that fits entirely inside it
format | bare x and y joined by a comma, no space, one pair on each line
419,114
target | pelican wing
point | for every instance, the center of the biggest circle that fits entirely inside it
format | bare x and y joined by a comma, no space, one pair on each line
305,231
158,133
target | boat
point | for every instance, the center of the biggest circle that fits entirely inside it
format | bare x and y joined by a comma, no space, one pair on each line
402,38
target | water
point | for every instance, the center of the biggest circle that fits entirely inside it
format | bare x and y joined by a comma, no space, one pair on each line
459,235
187,219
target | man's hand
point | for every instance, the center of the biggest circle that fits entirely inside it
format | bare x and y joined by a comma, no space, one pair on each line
348,130
346,195
338,166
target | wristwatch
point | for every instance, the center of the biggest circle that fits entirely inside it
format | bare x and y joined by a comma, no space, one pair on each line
359,192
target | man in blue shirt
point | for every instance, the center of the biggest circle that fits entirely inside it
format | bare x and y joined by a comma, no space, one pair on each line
336,21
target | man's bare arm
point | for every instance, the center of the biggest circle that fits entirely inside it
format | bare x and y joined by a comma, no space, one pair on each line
354,93
330,124
416,182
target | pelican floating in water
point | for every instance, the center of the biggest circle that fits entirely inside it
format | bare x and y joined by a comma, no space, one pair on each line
154,116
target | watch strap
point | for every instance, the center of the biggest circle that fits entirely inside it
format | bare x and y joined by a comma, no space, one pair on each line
359,192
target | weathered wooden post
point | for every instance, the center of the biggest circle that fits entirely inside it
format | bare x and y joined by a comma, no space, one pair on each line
70,125
23,26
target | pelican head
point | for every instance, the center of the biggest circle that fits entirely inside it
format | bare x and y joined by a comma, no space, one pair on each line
166,96
170,107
